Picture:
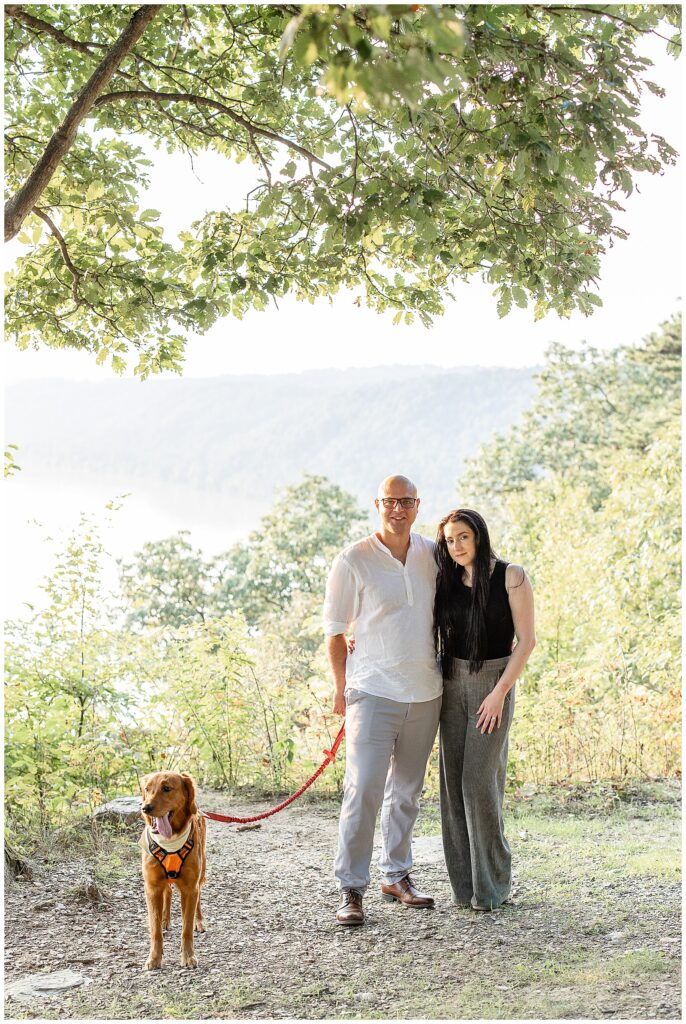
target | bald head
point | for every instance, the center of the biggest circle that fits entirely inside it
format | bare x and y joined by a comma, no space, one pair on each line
393,484
397,504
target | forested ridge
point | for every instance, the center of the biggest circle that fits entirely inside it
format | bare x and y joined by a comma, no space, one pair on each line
217,665
244,436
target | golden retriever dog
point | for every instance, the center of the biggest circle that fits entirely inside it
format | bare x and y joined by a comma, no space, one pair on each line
173,845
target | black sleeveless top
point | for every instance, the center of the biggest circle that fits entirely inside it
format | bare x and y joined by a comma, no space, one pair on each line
499,625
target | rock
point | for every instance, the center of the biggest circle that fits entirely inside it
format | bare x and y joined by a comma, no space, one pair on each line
44,986
527,791
47,904
122,810
88,889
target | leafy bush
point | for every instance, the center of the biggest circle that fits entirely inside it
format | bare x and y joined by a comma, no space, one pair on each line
591,508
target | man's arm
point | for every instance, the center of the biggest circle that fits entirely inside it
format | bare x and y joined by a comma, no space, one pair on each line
341,604
337,650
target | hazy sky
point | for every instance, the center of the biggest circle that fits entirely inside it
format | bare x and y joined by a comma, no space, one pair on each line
640,285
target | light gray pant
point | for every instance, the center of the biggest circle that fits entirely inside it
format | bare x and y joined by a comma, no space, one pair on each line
473,769
387,745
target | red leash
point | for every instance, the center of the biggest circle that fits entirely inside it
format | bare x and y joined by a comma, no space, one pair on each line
330,756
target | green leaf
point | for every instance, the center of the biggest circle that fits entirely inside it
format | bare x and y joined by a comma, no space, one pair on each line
504,304
305,50
95,190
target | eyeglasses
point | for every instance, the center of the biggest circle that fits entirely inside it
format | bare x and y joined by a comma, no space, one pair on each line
403,502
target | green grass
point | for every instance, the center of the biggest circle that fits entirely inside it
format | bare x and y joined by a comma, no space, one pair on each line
579,967
659,863
545,987
564,811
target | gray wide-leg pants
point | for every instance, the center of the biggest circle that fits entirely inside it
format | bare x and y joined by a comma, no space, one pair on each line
473,768
387,745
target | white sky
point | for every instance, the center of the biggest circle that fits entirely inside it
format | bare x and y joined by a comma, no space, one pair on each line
640,285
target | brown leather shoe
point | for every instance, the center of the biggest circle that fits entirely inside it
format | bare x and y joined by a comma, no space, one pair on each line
350,909
405,892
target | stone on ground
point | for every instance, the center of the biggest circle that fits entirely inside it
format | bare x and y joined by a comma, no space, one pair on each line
44,986
122,810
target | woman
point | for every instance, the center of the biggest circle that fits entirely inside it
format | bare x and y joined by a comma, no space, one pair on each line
481,604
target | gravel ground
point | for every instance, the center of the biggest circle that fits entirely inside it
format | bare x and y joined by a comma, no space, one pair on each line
592,929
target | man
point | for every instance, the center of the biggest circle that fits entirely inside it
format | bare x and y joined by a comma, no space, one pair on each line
389,688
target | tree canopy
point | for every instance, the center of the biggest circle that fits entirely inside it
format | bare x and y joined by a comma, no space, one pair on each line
285,560
397,148
590,406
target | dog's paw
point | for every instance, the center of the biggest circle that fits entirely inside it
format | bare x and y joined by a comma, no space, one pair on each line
189,960
166,925
200,926
153,963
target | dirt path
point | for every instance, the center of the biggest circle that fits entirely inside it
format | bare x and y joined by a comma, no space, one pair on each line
592,929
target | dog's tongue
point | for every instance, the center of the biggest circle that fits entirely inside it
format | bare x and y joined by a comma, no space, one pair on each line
163,826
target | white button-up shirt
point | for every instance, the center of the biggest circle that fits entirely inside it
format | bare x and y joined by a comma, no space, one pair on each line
389,608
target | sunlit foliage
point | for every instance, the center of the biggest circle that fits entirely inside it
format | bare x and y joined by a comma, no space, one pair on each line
397,149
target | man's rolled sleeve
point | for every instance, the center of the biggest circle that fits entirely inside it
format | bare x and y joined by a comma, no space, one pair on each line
341,603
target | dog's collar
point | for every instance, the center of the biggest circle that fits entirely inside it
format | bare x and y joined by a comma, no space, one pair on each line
172,845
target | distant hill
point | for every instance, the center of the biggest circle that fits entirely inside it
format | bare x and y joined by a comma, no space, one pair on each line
238,438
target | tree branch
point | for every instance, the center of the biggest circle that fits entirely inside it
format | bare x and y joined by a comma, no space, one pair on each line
23,201
17,13
264,163
57,234
603,12
203,101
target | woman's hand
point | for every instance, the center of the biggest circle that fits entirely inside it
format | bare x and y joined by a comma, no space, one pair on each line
351,644
338,702
490,712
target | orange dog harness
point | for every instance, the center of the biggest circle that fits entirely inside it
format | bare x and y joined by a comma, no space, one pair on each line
171,862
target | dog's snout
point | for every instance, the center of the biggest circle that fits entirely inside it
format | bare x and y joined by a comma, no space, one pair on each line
147,808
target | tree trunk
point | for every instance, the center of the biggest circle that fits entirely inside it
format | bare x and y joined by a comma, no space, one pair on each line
23,201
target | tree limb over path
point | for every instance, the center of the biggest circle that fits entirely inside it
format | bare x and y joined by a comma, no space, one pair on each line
39,25
441,141
23,201
148,96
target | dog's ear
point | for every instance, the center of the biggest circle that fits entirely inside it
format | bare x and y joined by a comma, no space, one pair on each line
191,804
143,783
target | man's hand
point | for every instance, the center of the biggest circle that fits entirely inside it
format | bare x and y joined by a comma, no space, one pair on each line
338,702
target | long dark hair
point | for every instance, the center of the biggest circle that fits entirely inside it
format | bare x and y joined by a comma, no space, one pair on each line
449,619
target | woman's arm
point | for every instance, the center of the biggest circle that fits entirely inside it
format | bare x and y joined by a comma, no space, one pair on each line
521,598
